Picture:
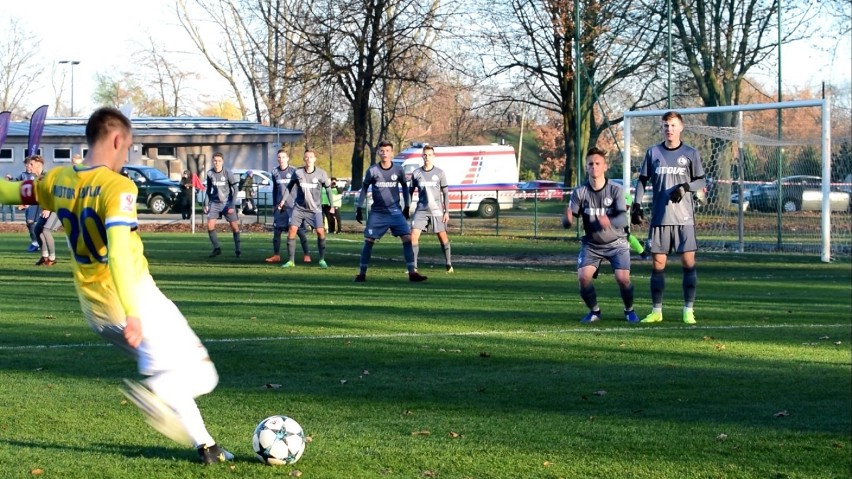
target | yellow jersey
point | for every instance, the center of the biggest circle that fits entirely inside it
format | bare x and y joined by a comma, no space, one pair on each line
97,208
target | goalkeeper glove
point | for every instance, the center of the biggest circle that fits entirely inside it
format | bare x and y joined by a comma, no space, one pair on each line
677,194
636,214
359,215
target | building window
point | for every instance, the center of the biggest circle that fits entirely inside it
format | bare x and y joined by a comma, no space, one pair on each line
62,155
85,152
165,152
7,155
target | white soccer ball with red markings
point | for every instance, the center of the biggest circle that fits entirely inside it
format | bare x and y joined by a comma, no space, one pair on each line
278,441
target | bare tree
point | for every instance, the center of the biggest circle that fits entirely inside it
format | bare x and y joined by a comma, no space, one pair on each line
255,53
534,51
164,79
19,66
362,46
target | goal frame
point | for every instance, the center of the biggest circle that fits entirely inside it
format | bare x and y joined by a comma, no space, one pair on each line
825,140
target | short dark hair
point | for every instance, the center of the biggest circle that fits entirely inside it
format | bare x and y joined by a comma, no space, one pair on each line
385,143
103,121
219,154
672,114
310,150
596,151
428,147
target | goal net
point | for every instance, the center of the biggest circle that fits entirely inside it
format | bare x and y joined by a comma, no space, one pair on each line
769,189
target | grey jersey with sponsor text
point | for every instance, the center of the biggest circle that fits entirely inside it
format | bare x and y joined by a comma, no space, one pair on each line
309,189
666,169
429,185
591,205
387,185
280,180
221,187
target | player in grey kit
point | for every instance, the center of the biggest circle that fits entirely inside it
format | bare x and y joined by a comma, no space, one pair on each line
602,206
307,182
433,202
221,191
673,169
388,182
281,176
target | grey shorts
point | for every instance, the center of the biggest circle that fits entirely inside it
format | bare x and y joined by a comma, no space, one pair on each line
51,223
281,218
617,253
217,210
300,216
425,221
668,239
31,213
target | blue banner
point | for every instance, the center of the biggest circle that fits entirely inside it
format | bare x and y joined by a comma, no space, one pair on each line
36,129
4,125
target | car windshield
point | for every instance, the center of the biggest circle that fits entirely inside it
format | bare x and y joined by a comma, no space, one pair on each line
155,174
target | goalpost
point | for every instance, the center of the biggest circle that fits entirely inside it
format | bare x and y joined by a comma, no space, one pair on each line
747,165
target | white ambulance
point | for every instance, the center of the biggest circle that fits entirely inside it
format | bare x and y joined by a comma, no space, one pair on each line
481,178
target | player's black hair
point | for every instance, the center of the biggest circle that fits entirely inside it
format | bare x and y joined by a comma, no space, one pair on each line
385,143
103,121
596,151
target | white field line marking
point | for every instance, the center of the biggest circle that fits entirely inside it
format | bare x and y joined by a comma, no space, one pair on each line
519,332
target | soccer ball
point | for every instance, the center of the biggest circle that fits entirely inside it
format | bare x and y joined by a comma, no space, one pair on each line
278,441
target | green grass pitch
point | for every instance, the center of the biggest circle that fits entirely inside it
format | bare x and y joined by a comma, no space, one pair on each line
485,373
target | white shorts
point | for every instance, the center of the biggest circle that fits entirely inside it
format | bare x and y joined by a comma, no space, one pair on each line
168,343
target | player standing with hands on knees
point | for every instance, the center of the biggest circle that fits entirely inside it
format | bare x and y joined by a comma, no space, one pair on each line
118,296
388,182
673,170
602,206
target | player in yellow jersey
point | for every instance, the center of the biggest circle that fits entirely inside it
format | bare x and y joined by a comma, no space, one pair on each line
118,296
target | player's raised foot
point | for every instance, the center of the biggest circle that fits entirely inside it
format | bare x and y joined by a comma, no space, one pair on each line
322,264
273,259
361,278
449,269
32,248
306,259
416,277
654,317
592,317
215,252
289,264
688,316
214,454
157,413
630,316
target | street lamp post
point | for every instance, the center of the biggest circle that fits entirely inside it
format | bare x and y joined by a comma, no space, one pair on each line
72,63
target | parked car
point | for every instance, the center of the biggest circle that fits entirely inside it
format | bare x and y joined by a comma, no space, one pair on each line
262,186
156,191
541,189
798,193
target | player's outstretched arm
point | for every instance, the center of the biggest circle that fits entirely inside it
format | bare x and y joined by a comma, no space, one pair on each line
10,192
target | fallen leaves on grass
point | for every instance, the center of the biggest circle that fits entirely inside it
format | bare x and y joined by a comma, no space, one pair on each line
295,473
783,413
722,437
37,472
600,392
484,354
421,433
455,435
547,464
272,386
